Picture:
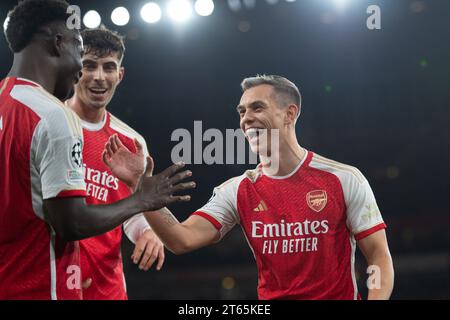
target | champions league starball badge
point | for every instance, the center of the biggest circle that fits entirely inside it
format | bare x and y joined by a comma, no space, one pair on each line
76,154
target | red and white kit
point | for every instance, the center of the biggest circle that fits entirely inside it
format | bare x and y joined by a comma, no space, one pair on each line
302,228
40,158
101,258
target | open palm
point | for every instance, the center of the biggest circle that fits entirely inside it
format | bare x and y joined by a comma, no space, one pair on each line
124,164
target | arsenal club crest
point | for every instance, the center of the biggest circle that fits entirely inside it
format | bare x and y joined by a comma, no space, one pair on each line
317,200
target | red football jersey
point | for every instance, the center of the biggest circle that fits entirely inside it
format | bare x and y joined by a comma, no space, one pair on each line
101,257
40,158
302,228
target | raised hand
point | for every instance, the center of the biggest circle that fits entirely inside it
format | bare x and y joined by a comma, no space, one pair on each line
159,190
124,164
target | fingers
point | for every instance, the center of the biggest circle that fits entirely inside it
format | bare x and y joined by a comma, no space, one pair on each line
105,158
138,250
139,148
118,142
109,149
149,257
86,283
150,167
180,176
184,186
113,142
170,171
174,199
161,258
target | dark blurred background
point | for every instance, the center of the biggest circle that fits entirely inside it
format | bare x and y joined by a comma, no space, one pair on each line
376,99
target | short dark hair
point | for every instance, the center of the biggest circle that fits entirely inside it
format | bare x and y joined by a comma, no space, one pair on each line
102,42
26,18
285,90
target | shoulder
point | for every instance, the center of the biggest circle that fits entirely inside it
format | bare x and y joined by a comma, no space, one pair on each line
62,120
343,171
121,127
233,184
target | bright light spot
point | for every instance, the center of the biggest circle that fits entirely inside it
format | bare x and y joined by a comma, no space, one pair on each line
151,12
204,7
179,10
341,4
228,283
92,19
5,24
120,16
235,5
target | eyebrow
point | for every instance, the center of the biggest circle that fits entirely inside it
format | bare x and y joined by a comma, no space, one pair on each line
108,64
89,61
256,103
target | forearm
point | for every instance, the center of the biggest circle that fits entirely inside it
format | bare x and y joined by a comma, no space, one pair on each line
176,236
75,220
168,229
381,288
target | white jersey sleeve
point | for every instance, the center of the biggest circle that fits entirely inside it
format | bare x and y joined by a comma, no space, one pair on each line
221,209
363,213
56,147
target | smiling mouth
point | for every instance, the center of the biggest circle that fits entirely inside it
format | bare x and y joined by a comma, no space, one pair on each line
253,134
97,91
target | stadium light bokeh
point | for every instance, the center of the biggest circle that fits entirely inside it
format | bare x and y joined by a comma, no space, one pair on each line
151,12
120,16
92,19
341,4
179,10
204,8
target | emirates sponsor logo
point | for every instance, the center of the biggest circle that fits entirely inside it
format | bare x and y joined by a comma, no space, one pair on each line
102,178
99,183
289,237
317,200
288,229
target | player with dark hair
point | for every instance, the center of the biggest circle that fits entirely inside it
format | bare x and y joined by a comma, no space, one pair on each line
302,217
101,259
42,189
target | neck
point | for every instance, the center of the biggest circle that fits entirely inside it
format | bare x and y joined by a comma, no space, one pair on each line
27,65
287,158
85,112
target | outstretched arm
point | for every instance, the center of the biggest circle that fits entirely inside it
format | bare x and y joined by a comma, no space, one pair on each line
191,234
72,219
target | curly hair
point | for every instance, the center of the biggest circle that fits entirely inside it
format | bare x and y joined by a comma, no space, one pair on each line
26,18
102,42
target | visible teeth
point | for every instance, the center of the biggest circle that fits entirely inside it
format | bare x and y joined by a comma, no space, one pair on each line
253,132
98,90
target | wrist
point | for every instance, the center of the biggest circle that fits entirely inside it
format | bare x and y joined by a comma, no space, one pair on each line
136,201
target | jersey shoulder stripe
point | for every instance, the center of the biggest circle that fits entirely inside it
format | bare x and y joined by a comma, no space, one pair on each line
49,108
332,165
120,126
